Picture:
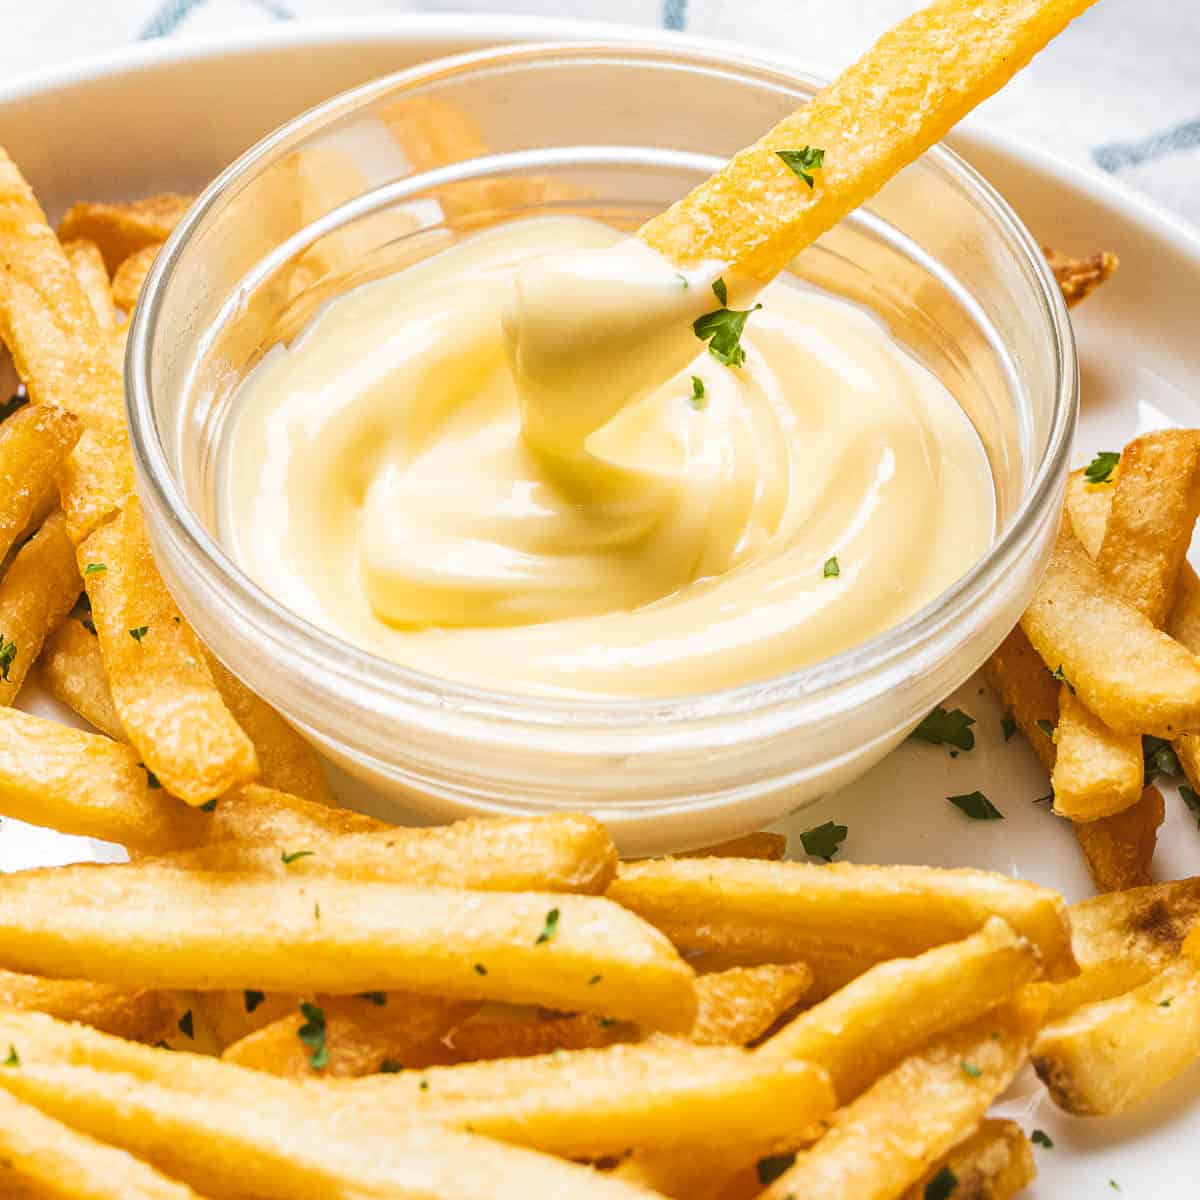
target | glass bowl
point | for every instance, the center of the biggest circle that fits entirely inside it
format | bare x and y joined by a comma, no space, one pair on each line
392,171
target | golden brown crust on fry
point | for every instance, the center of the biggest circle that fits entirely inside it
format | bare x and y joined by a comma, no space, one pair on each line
1028,692
994,1163
88,264
123,229
34,441
139,1016
1119,849
74,672
1079,277
131,274
1096,772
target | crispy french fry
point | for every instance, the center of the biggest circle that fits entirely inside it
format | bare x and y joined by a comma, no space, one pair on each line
1097,772
232,1016
885,1140
523,1033
1028,692
131,274
658,1095
1151,684
82,783
1123,939
1079,277
163,690
994,1163
1119,849
286,761
141,1016
569,852
123,229
842,918
88,264
150,926
901,97
362,1035
1153,511
74,672
738,1006
1111,1056
43,1158
34,441
893,1009
36,592
266,816
771,846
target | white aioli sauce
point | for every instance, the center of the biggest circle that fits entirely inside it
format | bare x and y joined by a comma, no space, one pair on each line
516,486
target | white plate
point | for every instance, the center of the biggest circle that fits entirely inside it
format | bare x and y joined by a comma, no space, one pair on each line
168,114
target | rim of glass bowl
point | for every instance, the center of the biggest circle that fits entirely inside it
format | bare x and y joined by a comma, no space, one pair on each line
303,647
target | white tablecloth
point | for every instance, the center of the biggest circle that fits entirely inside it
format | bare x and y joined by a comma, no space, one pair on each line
1119,92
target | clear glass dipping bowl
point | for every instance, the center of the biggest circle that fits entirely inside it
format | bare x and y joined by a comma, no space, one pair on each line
383,175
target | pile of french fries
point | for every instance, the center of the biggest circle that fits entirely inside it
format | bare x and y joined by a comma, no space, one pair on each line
278,999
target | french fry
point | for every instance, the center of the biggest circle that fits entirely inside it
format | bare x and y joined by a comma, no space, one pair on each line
88,264
901,97
361,1036
149,926
1111,1056
266,816
286,761
36,592
131,274
840,919
569,852
738,1006
83,783
771,846
1123,939
896,1007
140,1016
885,1140
1079,277
994,1163
1097,773
43,1158
161,685
34,441
1119,849
74,672
1150,685
123,229
524,1033
659,1095
232,1016
1028,692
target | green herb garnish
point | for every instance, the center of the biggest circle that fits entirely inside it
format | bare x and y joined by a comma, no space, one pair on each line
1159,758
289,857
801,162
770,1168
13,1059
95,568
1007,726
946,728
1058,674
211,806
970,1069
822,841
1100,469
8,653
831,570
312,1034
390,1066
549,929
1040,1138
1046,727
379,999
139,633
977,806
942,1185
187,1026
252,999
697,400
720,291
722,330
480,969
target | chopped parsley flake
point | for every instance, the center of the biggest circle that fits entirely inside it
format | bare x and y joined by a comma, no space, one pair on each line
187,1026
976,806
1007,726
424,1085
95,568
697,399
549,929
720,291
480,969
13,1059
723,329
822,841
1159,758
1112,1183
211,806
312,1034
390,1066
683,280
1100,469
942,1185
831,570
1040,1138
801,162
8,653
1164,1003
595,979
970,1070
1047,727
1058,674
289,857
941,728
139,633
770,1168
252,999
379,999
152,781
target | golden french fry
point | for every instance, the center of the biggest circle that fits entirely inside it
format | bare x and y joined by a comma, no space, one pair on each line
161,685
88,264
131,274
569,852
43,1158
1028,692
141,1016
902,96
83,783
885,1140
1134,677
1097,772
523,1033
34,441
74,672
151,926
363,1034
994,1163
1119,849
659,1095
1124,938
893,1009
840,919
123,229
286,761
36,592
772,846
231,1016
738,1006
1111,1056
1079,277
1087,507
